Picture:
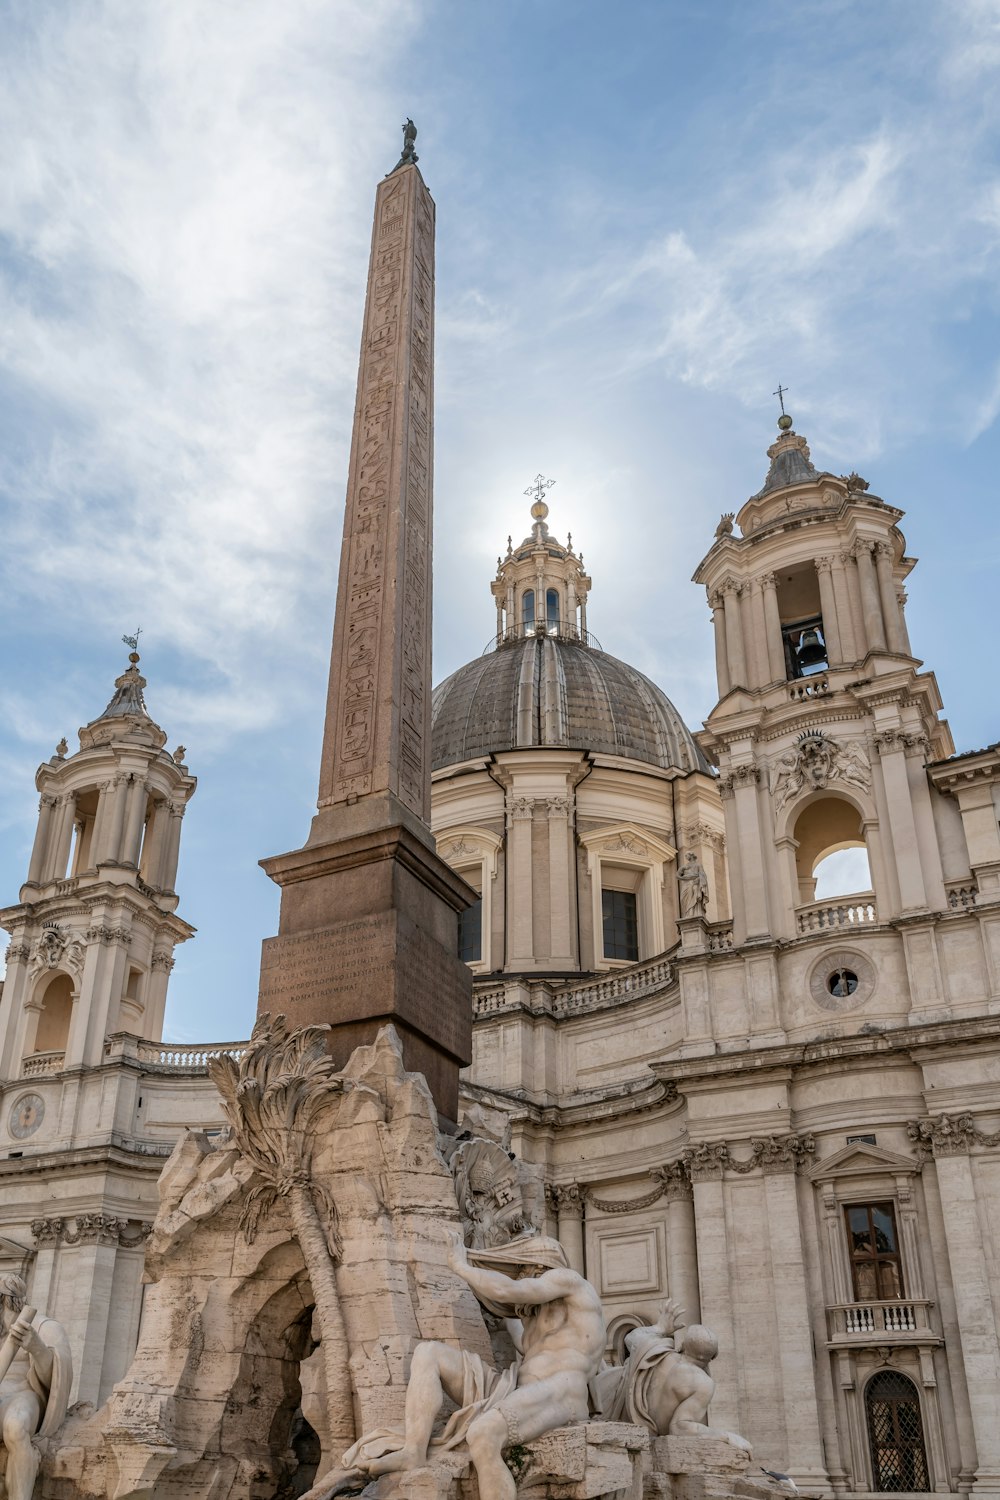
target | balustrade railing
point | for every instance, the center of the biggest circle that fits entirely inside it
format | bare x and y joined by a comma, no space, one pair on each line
40,1063
844,912
170,1054
898,1318
563,630
628,983
961,895
808,687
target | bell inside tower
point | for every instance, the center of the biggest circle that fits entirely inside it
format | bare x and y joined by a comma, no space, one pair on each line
803,637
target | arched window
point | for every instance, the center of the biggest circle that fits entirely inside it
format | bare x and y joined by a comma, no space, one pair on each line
832,856
57,1009
896,1434
528,609
552,611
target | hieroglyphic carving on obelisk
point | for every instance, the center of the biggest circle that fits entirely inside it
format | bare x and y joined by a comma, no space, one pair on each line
368,931
377,735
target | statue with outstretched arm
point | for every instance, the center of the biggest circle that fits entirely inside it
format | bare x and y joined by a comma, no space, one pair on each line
35,1378
557,1326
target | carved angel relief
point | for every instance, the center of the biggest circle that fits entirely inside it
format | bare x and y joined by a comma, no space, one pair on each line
56,948
815,760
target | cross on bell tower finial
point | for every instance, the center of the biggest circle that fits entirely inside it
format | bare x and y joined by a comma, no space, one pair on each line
784,421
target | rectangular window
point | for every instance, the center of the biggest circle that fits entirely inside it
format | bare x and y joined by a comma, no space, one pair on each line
621,925
470,933
874,1251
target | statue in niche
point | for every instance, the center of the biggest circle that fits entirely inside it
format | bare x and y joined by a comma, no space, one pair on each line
693,884
36,1373
665,1384
556,1324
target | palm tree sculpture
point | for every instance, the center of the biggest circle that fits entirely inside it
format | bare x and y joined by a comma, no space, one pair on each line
274,1098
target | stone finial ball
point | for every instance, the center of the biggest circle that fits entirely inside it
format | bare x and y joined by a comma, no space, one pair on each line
539,510
784,421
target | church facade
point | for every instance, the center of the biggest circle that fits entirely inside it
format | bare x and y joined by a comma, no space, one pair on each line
780,1108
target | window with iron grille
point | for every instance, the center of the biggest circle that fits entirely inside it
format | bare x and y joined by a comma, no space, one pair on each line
621,924
874,1250
896,1434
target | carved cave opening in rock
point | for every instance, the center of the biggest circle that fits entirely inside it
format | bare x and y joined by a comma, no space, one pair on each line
57,1010
278,1388
832,855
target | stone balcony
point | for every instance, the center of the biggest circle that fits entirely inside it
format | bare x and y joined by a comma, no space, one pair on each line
40,1064
900,1320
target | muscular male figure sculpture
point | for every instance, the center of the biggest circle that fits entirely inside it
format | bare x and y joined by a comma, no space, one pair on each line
34,1390
557,1326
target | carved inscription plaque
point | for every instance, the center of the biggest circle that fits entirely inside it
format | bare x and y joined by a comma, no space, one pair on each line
380,966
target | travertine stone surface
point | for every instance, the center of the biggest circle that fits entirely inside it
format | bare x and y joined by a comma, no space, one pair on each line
206,1406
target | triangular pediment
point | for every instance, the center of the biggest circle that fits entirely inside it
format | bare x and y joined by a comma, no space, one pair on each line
860,1160
627,839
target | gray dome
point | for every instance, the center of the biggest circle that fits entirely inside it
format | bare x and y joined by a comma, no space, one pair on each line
549,690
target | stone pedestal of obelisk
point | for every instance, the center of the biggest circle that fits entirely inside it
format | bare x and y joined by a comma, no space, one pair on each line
369,912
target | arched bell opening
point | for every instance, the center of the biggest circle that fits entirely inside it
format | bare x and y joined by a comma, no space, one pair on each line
896,1435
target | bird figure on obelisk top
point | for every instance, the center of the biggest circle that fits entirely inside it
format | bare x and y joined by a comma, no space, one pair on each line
369,912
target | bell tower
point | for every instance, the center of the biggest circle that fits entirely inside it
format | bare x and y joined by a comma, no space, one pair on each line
824,722
93,934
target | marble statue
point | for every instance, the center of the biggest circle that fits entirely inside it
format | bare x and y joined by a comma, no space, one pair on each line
35,1378
665,1385
694,887
556,1324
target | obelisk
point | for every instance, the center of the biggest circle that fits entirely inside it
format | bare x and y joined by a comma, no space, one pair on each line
368,931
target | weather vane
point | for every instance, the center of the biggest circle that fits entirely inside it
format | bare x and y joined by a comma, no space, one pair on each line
781,393
537,490
132,641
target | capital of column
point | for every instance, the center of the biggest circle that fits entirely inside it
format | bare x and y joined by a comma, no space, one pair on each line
520,809
862,548
569,1199
825,563
47,799
768,581
557,807
730,585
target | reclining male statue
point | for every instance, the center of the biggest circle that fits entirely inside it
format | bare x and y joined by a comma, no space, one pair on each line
557,1327
665,1384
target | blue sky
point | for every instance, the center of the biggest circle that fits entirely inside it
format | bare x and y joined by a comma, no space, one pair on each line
648,214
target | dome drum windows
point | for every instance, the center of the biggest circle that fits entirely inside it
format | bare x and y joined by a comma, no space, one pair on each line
627,872
473,853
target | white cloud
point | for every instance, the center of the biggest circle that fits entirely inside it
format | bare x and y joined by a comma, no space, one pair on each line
182,292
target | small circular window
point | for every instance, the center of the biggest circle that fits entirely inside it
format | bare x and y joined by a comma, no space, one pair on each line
841,983
841,979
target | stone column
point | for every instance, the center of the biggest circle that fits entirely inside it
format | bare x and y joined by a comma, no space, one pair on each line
499,622
569,1200
887,594
842,606
682,1250
156,992
36,865
62,836
828,609
520,811
171,847
100,820
135,817
721,653
793,1326
110,853
745,781
712,1235
734,634
891,746
560,936
971,1281
152,848
871,607
772,627
89,1268
583,616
